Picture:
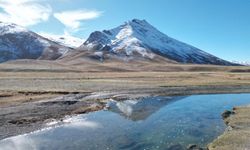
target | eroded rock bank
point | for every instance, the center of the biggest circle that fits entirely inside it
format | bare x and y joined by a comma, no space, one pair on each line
237,135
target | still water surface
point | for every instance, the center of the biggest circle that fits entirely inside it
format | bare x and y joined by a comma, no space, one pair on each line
154,123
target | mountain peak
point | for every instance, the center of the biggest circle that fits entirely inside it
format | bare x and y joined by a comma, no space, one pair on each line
139,22
10,28
139,39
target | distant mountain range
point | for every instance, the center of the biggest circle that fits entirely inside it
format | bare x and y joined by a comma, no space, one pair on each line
245,63
17,42
134,40
65,40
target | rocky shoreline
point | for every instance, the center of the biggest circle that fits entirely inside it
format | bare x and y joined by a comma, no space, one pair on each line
237,134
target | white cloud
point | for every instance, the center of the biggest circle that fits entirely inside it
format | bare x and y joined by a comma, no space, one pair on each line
73,19
24,12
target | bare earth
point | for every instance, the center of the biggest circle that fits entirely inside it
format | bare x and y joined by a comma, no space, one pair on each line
33,93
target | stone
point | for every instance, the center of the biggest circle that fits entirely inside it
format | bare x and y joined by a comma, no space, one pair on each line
226,114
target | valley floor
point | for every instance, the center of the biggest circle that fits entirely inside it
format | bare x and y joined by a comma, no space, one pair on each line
32,97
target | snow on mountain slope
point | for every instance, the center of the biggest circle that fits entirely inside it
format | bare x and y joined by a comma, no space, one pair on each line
10,28
244,63
66,40
138,37
17,42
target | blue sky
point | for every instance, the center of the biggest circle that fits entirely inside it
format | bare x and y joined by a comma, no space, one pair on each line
220,27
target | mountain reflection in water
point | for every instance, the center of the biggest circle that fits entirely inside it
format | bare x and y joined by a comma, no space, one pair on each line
141,109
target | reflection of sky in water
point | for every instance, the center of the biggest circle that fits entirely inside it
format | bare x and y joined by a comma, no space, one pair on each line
154,123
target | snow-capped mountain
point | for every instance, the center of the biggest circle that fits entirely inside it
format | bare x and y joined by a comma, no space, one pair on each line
66,40
139,38
244,63
17,42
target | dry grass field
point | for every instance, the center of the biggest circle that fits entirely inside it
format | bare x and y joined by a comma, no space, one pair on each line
45,76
